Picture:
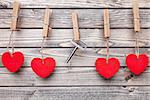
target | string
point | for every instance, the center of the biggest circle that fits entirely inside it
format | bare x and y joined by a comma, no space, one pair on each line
11,40
42,44
137,51
107,50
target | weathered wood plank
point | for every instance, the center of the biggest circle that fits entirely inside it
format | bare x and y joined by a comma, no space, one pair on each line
75,76
80,81
81,58
62,38
88,18
75,93
74,3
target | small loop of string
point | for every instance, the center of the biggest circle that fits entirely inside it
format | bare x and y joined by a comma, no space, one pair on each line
11,40
137,47
107,50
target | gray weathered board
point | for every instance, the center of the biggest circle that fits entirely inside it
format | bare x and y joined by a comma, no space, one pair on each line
77,80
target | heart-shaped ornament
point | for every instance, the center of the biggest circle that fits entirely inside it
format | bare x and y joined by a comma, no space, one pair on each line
13,62
107,69
43,68
137,65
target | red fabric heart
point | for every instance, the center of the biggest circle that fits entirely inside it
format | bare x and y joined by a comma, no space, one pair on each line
43,68
107,70
137,65
13,62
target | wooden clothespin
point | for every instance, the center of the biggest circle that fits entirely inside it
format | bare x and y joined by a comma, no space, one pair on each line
75,26
107,30
15,15
106,24
136,15
46,27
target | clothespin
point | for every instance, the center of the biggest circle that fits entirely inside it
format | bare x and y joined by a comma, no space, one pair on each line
46,27
136,15
137,26
106,24
106,30
15,14
13,26
75,26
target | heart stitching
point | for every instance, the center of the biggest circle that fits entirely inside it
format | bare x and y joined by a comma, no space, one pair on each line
43,68
13,62
107,70
137,65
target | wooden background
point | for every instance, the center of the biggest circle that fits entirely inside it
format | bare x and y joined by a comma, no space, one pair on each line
77,80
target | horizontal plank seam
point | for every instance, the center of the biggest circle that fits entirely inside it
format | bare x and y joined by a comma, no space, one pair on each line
103,47
72,28
84,86
79,8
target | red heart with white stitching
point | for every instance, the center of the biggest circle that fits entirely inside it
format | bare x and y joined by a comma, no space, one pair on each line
107,69
137,65
13,62
43,68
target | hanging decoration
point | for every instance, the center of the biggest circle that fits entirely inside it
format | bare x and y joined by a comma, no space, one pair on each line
137,63
45,66
107,67
13,60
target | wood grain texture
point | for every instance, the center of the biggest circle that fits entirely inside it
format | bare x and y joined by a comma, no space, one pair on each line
62,38
88,18
74,3
77,80
74,76
81,58
75,93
